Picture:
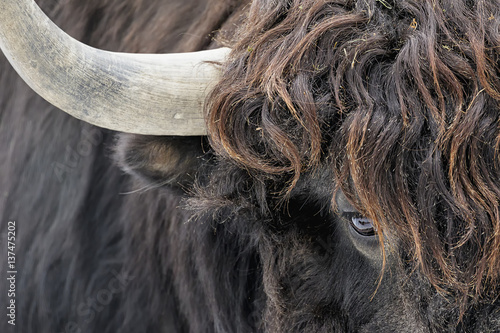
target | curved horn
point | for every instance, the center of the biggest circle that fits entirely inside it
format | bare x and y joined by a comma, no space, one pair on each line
156,94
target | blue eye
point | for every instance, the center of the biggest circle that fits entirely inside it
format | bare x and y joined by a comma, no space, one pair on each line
361,224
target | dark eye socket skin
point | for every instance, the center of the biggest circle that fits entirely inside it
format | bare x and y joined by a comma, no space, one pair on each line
361,224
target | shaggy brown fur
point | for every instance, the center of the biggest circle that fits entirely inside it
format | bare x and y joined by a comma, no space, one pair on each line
405,94
389,105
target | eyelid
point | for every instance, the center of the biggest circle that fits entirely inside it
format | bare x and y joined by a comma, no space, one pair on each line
356,214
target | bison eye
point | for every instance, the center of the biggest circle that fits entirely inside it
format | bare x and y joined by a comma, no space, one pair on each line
361,224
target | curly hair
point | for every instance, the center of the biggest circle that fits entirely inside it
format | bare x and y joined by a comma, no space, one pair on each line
399,98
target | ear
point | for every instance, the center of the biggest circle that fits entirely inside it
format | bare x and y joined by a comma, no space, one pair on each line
161,160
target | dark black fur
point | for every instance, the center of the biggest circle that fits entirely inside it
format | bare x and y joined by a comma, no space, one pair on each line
190,242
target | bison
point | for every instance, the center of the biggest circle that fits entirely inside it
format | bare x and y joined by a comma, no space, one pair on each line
323,166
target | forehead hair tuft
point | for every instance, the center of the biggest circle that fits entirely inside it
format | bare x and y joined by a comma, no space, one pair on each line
401,98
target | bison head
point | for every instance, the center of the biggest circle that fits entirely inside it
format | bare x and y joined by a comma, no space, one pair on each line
352,159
